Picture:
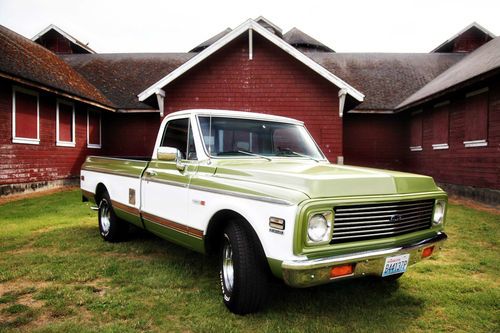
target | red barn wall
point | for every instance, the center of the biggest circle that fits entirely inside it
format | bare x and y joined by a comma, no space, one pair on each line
478,166
375,140
273,82
26,163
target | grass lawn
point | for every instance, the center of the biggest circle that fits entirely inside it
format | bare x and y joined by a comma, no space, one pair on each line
57,275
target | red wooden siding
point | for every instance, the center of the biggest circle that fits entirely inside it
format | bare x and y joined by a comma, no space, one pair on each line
25,163
476,117
440,123
94,128
416,129
65,122
26,115
375,140
475,166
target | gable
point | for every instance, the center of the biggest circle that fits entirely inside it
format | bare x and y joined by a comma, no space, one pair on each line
250,27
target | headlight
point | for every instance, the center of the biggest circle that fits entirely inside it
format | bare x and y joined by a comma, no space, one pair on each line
439,210
318,227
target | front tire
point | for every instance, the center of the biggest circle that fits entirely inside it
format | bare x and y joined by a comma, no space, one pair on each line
111,228
243,271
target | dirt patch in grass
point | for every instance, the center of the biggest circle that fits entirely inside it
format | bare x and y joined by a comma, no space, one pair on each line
41,193
474,205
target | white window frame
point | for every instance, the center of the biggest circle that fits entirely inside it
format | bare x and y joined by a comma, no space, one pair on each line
94,145
59,142
481,142
15,138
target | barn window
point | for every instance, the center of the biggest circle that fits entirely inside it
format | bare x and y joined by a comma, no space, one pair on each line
25,116
93,129
440,124
416,131
476,118
65,124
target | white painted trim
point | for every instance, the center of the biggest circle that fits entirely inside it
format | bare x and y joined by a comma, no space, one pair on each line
250,44
440,146
416,148
477,92
473,24
160,98
250,24
275,27
65,34
342,94
438,105
94,145
16,139
60,143
475,143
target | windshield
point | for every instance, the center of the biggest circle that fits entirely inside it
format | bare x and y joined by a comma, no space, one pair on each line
239,137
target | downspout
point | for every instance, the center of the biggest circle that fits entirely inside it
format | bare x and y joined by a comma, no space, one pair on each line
160,97
342,94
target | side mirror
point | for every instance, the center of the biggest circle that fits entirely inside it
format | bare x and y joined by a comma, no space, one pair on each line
168,153
171,154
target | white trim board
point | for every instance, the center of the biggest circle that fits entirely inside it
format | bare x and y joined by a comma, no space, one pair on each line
256,27
65,34
15,138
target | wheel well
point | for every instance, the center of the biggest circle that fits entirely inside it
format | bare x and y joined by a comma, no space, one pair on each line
100,189
216,227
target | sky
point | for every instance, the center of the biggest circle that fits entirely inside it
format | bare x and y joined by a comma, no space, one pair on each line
117,26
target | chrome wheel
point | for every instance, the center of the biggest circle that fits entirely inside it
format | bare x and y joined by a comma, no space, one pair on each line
227,265
105,217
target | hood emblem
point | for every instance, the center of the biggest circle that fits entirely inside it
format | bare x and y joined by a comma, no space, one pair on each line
396,218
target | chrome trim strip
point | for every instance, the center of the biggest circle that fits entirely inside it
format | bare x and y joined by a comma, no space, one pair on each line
164,181
109,172
243,195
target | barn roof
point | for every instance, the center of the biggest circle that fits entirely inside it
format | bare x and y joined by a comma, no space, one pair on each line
483,61
83,48
210,41
122,76
300,39
29,63
386,79
447,46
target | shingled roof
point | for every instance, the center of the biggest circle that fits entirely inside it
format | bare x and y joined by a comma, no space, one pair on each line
301,40
485,60
25,60
210,41
386,79
122,76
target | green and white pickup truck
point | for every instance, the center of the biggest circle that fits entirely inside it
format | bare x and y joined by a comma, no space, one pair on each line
257,190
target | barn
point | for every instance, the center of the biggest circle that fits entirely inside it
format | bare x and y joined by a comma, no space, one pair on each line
434,113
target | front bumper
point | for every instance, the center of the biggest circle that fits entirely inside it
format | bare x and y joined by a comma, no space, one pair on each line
307,273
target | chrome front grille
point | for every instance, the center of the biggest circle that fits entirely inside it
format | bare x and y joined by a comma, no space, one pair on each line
371,221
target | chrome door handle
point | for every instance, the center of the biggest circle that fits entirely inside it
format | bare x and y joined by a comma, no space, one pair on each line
151,173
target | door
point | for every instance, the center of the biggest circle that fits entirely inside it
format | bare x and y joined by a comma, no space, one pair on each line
165,185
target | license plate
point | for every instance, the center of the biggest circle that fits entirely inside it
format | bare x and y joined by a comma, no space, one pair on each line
396,264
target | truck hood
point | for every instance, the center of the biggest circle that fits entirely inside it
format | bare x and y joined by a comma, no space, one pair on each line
321,180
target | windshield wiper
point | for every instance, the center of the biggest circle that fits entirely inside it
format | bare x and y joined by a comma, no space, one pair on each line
288,150
253,154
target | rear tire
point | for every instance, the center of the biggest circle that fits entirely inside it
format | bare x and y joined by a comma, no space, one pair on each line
243,271
111,228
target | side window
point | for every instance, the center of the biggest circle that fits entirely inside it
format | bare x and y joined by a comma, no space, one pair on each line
93,129
25,116
191,146
176,135
416,131
476,118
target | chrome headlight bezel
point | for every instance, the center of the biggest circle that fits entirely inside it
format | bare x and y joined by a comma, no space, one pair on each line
326,221
439,212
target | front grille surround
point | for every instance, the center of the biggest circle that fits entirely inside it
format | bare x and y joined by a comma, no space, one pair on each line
361,222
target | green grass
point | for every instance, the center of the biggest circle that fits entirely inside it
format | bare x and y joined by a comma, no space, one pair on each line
57,275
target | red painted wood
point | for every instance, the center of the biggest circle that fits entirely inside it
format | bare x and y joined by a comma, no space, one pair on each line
94,127
416,130
65,122
440,124
24,163
26,115
476,117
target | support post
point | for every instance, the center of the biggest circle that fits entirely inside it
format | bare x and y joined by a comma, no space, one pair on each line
160,97
342,94
250,44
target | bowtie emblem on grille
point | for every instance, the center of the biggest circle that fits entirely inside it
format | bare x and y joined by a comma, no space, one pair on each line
395,218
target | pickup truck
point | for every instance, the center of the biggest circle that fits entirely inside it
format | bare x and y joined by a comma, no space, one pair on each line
257,191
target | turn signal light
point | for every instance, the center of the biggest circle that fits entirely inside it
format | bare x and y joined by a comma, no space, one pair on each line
427,251
339,271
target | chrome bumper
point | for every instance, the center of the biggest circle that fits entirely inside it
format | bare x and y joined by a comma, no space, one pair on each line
307,273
